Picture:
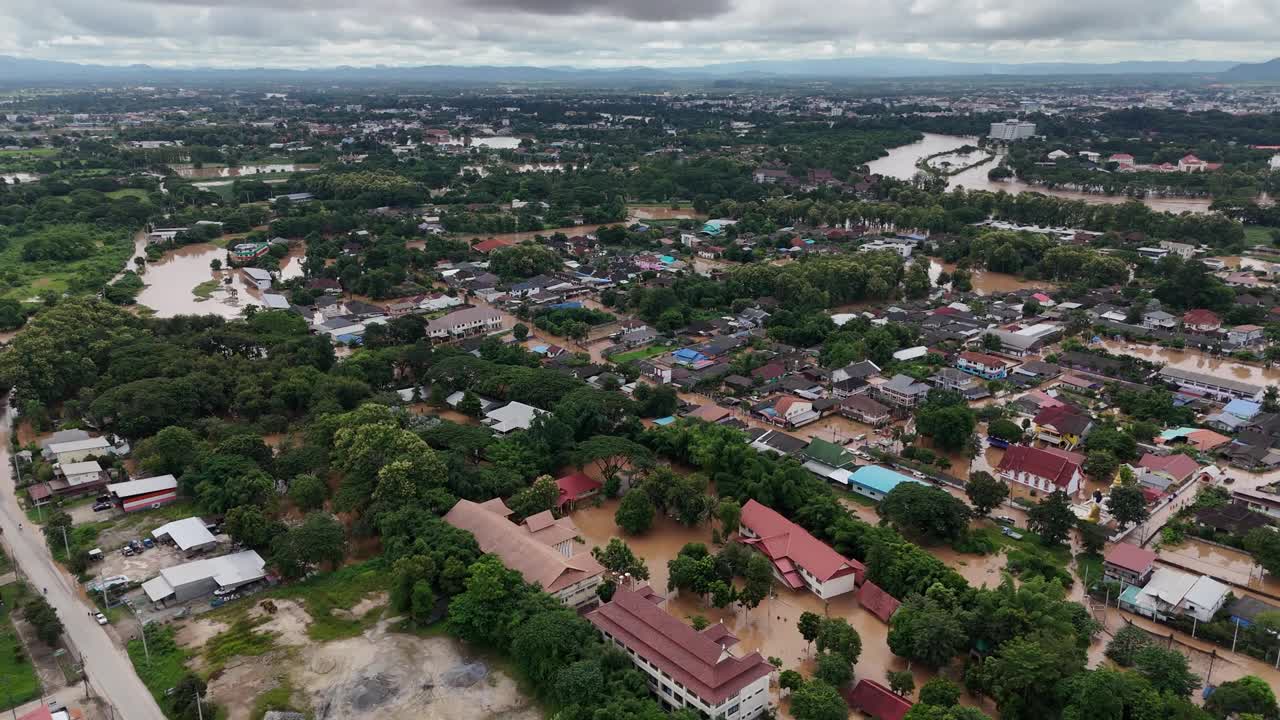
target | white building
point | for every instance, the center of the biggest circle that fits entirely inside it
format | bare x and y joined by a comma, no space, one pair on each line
512,416
1012,130
260,278
189,534
77,450
198,578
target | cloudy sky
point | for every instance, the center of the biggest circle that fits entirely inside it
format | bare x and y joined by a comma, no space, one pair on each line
601,33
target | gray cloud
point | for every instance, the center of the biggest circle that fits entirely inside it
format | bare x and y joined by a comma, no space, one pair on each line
311,33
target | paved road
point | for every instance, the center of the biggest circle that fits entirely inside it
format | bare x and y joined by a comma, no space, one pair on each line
110,671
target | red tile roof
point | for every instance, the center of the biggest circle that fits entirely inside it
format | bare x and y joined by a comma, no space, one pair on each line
1130,557
786,543
783,405
772,371
1063,418
1201,317
489,245
1041,463
983,359
877,601
877,701
571,486
694,659
710,413
1177,466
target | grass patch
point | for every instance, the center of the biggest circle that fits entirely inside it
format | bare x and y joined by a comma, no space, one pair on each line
205,289
1089,568
29,152
278,698
21,683
22,280
855,497
1258,234
241,640
640,354
168,663
339,590
127,192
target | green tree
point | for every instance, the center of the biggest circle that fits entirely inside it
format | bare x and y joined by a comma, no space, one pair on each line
611,454
1005,430
1264,544
635,513
901,682
985,492
249,525
482,614
1249,694
759,581
1052,518
1101,465
169,452
950,426
44,618
816,700
539,497
318,541
925,631
469,405
308,492
1166,670
939,691
809,625
790,680
1024,668
618,558
833,669
1126,644
520,331
1093,537
1127,504
546,643
838,636
729,513
926,511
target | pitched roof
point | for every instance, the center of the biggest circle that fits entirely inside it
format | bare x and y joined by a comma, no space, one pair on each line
1130,557
692,658
1063,418
1041,463
786,544
827,453
877,601
983,359
877,701
573,485
1177,466
518,549
1201,317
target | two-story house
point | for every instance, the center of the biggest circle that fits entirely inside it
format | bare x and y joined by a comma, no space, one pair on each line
800,561
988,367
1062,425
1045,471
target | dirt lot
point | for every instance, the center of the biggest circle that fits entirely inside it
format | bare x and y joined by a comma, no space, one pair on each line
140,567
378,674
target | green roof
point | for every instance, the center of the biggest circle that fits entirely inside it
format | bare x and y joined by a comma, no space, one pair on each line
827,453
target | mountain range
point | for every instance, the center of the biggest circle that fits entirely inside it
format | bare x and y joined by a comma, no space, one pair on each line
18,72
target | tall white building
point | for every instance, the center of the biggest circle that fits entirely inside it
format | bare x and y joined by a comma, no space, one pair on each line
1012,130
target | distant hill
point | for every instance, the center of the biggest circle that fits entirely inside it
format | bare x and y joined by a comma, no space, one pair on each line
20,72
1253,72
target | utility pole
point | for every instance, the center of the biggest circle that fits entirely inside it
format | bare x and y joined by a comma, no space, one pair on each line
66,545
199,710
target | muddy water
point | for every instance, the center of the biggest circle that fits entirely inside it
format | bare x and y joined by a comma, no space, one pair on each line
1198,362
291,264
901,163
1234,566
659,212
189,171
986,282
1236,262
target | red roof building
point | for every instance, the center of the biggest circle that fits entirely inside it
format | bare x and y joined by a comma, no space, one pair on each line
1176,467
877,601
1201,320
799,559
876,700
693,669
488,246
1128,564
1040,469
575,487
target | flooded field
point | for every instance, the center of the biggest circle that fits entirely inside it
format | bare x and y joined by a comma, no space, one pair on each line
1196,361
660,212
171,281
901,163
986,282
190,171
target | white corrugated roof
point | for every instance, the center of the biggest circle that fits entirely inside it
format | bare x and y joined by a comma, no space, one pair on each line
227,570
1170,586
185,533
78,445
1206,593
80,468
143,486
157,589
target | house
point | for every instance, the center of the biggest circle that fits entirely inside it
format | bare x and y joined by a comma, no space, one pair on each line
1231,519
1170,593
877,701
1223,388
1026,341
1062,425
245,253
488,246
786,410
902,391
865,410
953,379
1128,564
512,416
1245,335
800,561
1177,467
1123,160
77,450
571,579
190,535
911,353
198,578
77,478
876,601
574,487
710,413
1159,320
874,481
260,278
1042,470
988,367
822,458
769,176
465,323
686,668
1245,610
1201,321
438,301
1191,163
1258,500
777,442
144,494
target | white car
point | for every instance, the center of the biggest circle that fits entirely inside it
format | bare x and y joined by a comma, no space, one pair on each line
102,619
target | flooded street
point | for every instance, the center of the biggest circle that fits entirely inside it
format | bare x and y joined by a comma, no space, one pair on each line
1197,362
190,171
901,163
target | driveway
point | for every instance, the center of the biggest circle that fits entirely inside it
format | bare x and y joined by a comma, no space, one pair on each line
107,664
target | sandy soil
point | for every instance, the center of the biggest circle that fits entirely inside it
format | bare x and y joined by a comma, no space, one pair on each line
196,633
289,621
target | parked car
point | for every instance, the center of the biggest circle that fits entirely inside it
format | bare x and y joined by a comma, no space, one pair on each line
127,551
136,545
100,506
1010,532
148,543
102,619
1004,520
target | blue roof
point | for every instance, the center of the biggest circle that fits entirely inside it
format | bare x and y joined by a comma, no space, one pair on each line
688,354
1177,433
566,305
664,421
879,479
1243,408
667,259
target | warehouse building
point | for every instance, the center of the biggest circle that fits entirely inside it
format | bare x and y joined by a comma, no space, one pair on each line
144,494
198,578
189,534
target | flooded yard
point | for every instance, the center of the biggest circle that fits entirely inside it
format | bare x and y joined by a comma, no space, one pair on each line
986,282
1195,361
1226,564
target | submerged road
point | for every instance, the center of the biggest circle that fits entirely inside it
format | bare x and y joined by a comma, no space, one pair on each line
110,671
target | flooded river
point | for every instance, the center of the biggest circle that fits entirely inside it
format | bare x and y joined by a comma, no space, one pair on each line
901,163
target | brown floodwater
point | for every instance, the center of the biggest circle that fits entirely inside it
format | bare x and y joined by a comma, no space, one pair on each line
1227,564
1193,360
189,171
660,212
901,163
986,282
